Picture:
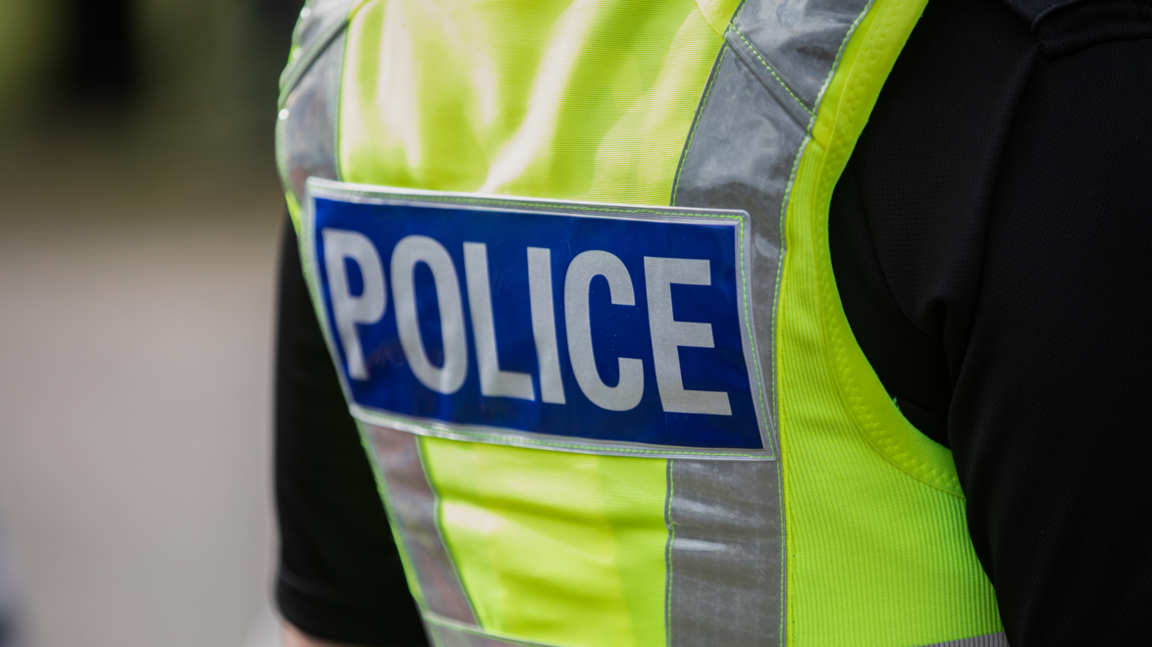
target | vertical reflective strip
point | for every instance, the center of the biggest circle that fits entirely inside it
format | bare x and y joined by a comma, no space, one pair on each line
752,120
739,45
320,21
725,571
306,128
317,19
726,548
988,640
414,509
740,156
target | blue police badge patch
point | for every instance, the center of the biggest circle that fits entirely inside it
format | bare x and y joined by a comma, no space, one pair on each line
563,325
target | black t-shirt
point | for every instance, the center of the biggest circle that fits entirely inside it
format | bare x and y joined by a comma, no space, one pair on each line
992,244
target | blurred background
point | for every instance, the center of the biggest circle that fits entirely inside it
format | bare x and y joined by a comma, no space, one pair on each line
139,218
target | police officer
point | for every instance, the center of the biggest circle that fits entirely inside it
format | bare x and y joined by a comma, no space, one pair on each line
649,340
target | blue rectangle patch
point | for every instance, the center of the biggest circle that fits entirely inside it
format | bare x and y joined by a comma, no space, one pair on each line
575,326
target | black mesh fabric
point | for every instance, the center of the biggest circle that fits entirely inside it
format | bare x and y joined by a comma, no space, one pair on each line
1005,183
1033,11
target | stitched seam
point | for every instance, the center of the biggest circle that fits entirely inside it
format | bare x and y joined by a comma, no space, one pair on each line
736,16
521,440
704,100
771,71
782,504
875,434
696,122
529,203
840,53
783,549
580,207
878,436
778,297
752,336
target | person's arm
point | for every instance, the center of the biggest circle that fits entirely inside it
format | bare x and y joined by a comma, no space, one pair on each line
991,244
1049,421
340,576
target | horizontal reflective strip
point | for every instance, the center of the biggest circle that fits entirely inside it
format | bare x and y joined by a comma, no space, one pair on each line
987,640
543,441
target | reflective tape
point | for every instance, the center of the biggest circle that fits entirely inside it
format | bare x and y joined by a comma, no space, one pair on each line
412,503
725,553
306,128
799,40
740,156
726,570
319,24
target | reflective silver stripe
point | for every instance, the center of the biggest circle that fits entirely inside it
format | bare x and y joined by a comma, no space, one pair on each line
726,571
800,40
752,121
740,156
320,22
725,553
445,633
739,44
412,504
310,96
306,129
987,640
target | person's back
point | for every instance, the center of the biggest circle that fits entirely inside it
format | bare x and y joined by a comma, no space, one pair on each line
600,187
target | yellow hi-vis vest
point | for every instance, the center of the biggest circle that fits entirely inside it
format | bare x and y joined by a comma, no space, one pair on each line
571,161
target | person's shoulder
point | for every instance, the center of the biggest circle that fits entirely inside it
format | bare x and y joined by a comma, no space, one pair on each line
1033,11
1066,26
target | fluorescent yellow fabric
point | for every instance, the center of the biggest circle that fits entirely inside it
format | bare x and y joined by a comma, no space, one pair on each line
878,551
581,99
593,101
565,100
718,13
558,548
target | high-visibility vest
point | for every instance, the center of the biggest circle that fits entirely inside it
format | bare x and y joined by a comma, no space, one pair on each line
539,504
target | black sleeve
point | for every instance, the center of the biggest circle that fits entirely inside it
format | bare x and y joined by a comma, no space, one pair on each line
340,576
992,243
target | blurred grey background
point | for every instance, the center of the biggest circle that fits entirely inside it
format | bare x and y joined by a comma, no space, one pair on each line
139,218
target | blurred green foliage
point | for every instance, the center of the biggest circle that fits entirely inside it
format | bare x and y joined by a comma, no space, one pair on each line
29,41
211,63
195,123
